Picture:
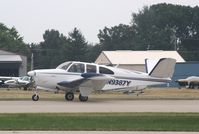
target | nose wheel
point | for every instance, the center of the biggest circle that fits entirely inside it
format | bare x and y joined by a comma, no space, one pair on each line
35,97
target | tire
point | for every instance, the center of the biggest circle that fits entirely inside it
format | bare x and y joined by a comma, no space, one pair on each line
35,97
191,85
69,96
83,98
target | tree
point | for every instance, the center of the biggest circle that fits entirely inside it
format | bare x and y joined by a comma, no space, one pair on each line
190,49
57,48
165,26
52,51
10,40
152,33
121,37
77,46
93,51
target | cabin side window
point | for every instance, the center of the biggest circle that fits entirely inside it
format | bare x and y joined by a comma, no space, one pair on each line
104,70
91,68
77,68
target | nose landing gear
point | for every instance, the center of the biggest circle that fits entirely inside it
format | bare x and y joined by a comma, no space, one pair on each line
35,97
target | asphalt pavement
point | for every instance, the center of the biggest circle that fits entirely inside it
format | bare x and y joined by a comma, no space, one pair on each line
100,106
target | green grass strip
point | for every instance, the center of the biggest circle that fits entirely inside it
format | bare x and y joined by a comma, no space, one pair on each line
101,121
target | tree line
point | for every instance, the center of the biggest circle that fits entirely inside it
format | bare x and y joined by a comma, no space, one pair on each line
157,27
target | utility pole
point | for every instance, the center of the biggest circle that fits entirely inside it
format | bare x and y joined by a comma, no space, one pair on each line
32,62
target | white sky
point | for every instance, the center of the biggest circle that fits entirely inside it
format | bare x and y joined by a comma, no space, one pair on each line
32,17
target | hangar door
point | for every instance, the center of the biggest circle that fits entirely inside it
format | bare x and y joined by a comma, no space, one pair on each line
10,64
9,69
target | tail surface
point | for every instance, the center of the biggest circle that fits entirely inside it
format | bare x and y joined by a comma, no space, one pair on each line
162,68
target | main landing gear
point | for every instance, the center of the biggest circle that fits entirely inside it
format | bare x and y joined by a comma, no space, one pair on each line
83,98
69,96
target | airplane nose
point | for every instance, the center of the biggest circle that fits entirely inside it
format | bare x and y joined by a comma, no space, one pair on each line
31,73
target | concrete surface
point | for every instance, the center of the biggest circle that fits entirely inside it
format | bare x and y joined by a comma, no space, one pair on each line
100,106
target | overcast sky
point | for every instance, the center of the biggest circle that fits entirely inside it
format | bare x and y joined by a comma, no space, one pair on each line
32,17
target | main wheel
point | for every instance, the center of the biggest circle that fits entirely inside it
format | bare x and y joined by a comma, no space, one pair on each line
35,97
191,85
83,98
69,96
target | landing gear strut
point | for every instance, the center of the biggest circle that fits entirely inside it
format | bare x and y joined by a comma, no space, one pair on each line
35,96
83,98
69,96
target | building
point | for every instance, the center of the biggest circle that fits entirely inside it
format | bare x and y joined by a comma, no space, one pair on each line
12,64
134,60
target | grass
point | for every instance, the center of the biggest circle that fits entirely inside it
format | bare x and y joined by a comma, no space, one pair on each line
16,94
101,121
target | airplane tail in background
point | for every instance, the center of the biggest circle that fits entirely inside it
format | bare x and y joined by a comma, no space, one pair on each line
162,68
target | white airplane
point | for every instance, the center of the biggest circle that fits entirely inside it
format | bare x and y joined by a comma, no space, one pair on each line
189,82
17,82
87,77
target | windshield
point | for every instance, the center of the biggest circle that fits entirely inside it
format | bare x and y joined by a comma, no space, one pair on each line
26,78
64,65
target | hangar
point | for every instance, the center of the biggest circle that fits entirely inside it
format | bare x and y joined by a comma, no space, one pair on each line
12,64
134,60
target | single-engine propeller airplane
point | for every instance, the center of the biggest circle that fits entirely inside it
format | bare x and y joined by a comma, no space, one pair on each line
189,82
85,77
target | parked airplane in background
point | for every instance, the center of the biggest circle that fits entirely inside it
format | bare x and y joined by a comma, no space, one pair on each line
189,82
18,82
6,78
87,77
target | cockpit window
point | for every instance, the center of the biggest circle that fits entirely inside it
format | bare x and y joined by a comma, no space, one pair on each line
104,70
64,66
77,68
26,78
90,68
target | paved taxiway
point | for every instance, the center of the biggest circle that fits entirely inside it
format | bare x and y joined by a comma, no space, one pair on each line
100,106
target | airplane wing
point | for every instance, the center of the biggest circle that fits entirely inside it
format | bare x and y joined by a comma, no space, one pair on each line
87,83
4,78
